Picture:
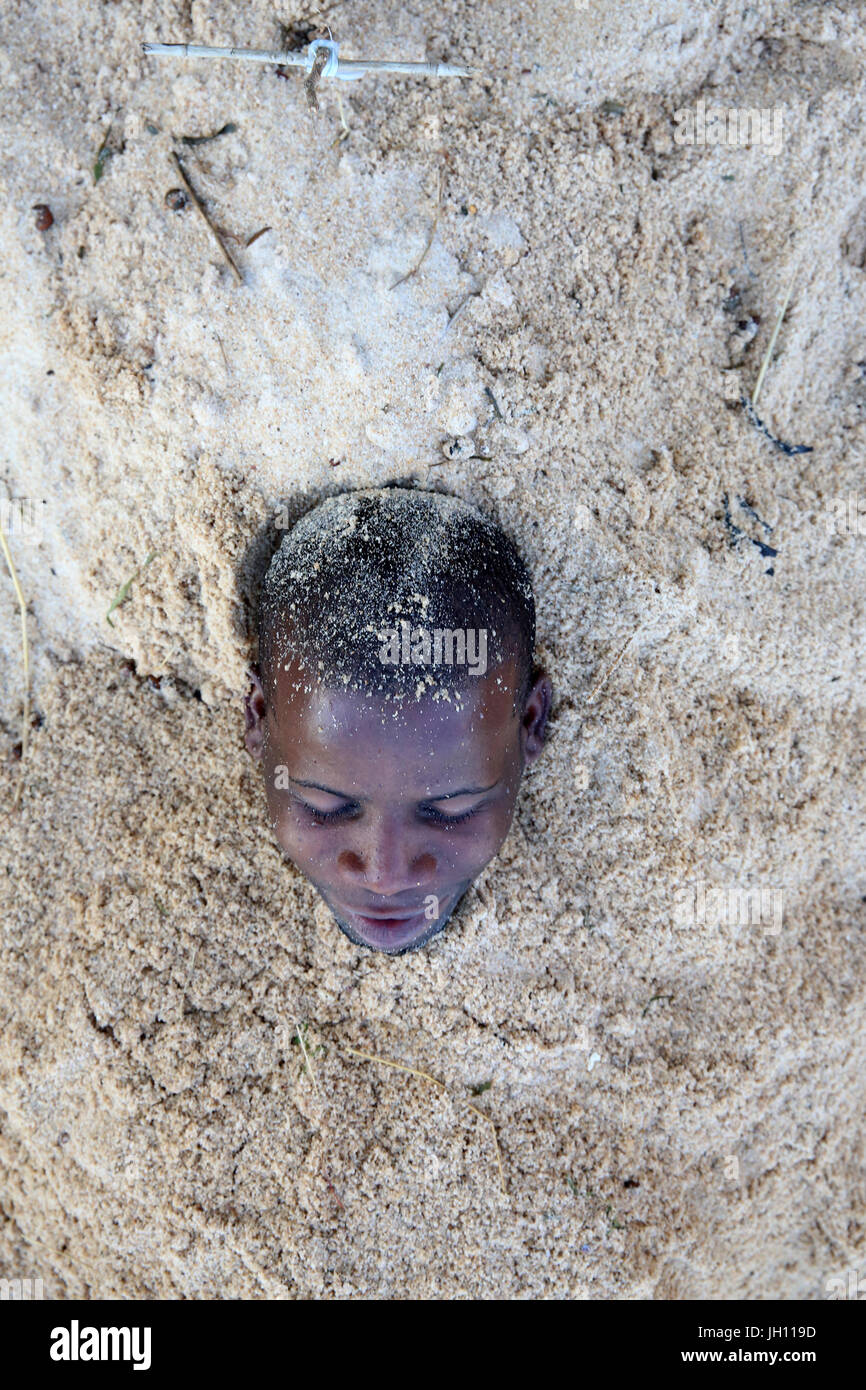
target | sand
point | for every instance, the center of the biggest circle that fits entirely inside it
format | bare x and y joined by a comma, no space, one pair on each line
676,1082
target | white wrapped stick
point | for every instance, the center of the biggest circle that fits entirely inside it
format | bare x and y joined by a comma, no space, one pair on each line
344,68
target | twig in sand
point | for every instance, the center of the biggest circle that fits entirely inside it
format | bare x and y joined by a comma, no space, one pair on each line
345,132
418,264
300,1037
768,354
745,257
610,670
216,236
223,351
123,592
255,236
425,1076
25,652
473,294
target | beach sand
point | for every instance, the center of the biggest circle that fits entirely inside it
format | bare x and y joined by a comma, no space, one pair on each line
656,994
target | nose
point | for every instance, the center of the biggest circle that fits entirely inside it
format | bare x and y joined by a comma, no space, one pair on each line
386,862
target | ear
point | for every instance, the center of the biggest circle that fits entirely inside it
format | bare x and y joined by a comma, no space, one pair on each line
535,716
255,710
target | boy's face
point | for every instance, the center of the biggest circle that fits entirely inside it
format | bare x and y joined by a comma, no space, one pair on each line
391,809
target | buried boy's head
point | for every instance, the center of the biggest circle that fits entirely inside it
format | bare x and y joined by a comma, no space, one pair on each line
397,705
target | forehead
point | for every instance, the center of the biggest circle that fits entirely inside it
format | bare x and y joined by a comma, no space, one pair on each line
353,742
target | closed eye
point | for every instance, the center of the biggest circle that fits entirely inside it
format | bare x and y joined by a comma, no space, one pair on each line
340,813
323,817
439,818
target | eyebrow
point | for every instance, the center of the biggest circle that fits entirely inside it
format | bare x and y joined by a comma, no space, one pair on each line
317,786
443,796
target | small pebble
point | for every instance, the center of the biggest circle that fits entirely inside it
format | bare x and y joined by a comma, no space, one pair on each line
460,448
176,200
513,440
44,217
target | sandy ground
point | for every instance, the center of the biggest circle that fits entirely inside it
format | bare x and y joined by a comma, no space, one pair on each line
678,1089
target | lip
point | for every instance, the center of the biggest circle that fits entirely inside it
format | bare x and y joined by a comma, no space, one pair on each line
383,931
371,916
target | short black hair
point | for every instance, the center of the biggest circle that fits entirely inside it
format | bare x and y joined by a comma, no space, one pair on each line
363,563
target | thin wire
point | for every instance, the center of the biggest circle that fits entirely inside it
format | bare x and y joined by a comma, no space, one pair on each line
346,69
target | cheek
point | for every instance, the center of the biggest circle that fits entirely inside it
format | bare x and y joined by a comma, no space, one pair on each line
495,832
308,846
304,843
282,814
469,850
